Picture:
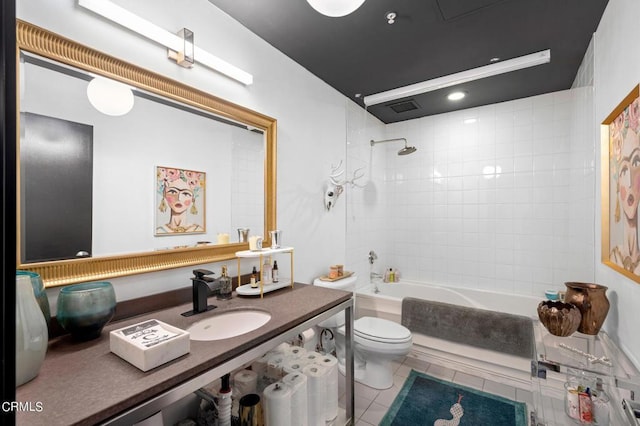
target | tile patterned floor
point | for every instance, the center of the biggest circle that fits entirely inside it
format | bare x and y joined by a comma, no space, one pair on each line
371,404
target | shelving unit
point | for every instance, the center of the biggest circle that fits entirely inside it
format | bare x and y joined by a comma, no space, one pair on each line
557,356
247,290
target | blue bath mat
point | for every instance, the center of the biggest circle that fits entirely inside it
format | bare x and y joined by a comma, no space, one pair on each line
425,400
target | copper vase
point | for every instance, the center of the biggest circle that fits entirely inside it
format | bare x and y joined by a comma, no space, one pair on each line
592,301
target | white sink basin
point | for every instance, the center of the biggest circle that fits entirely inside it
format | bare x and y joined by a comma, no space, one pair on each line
228,324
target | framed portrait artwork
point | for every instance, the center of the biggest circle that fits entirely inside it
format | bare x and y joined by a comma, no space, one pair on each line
180,201
621,187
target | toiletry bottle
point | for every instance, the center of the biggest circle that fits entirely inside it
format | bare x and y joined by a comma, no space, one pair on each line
266,271
392,276
225,402
274,271
226,287
254,278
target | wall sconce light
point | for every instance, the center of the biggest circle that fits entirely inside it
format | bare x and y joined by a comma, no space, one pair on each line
181,44
184,57
492,69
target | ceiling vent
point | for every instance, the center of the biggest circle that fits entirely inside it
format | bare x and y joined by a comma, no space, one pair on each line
404,106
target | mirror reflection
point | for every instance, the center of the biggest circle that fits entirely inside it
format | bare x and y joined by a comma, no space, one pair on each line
106,167
160,175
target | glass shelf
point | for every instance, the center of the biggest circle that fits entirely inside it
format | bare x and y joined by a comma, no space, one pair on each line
596,357
263,252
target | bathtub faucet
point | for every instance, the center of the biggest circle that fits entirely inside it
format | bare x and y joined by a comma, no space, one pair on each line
372,256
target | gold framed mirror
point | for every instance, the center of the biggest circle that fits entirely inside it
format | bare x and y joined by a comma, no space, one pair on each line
33,40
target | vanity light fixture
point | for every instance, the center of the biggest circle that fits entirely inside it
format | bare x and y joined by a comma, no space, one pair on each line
173,42
335,8
496,68
184,57
110,97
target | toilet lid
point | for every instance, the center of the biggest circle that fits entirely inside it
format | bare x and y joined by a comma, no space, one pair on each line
380,330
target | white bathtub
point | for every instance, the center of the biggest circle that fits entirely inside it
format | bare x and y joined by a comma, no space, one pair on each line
387,303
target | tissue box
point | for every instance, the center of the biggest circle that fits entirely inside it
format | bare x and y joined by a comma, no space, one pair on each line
149,344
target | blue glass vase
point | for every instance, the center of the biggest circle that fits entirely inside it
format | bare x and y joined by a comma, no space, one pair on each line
84,309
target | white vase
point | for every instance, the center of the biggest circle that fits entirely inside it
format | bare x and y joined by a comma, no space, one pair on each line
32,336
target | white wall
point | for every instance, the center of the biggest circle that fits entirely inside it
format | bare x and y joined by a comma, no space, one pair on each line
616,72
487,204
311,117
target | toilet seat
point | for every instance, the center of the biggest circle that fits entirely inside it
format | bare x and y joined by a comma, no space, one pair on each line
381,330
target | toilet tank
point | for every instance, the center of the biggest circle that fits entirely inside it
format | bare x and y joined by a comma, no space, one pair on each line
346,284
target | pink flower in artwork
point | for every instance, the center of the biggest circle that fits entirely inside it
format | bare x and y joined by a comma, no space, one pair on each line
193,178
173,174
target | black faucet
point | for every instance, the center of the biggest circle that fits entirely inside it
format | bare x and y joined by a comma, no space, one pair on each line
200,290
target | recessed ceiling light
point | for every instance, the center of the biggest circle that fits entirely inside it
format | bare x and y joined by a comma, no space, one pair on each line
494,59
456,96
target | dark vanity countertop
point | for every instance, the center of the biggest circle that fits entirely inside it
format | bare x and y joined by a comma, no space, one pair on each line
84,383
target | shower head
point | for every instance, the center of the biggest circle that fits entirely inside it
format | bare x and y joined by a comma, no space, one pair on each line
407,150
404,151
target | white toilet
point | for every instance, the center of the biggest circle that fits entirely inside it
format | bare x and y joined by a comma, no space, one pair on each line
377,341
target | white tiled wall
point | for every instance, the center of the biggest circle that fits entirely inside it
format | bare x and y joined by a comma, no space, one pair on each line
503,203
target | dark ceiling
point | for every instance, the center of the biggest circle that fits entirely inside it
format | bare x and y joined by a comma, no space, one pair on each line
361,54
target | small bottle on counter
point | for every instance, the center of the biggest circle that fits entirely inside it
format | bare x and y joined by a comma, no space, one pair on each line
226,287
274,272
266,272
254,278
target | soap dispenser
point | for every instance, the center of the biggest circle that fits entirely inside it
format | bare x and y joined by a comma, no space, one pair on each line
226,287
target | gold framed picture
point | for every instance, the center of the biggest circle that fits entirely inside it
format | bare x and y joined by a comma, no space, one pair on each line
620,134
180,201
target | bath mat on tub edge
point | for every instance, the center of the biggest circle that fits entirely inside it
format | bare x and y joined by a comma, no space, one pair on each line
426,400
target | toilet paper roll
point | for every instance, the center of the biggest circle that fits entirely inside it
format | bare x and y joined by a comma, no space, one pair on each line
311,356
298,383
308,339
274,367
316,393
244,383
294,365
277,404
280,349
295,352
331,400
